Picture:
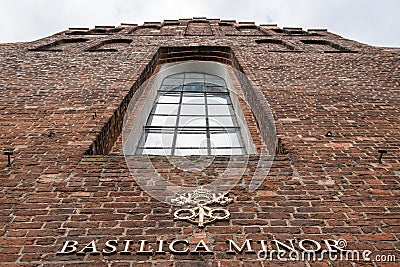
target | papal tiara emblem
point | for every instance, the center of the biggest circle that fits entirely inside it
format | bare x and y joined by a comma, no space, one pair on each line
200,213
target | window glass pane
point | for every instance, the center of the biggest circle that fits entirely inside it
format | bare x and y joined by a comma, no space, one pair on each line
216,80
221,121
188,152
224,139
209,76
193,110
194,75
169,98
180,75
152,151
219,110
193,102
193,98
192,139
185,121
194,80
159,139
194,87
217,99
172,88
167,109
172,81
227,152
163,121
211,88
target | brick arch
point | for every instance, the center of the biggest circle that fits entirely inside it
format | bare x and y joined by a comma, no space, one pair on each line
221,54
110,132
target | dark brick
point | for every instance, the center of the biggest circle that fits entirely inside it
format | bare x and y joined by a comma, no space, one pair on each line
62,107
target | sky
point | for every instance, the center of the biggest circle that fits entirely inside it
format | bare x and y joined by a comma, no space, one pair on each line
374,22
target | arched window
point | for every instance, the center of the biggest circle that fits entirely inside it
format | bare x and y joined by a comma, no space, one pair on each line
192,115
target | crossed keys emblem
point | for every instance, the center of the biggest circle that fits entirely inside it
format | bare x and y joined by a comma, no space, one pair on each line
201,214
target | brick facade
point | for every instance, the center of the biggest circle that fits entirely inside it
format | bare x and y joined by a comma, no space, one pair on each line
335,103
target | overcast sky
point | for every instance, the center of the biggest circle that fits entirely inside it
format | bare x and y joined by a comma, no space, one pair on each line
375,22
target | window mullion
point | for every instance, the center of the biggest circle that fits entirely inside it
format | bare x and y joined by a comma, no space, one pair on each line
208,136
177,120
217,103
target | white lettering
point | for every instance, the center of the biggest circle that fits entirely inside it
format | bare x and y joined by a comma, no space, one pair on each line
301,245
234,247
142,248
203,247
112,245
366,254
126,248
175,242
69,247
91,248
160,247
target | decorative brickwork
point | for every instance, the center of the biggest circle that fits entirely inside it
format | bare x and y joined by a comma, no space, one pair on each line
336,174
112,45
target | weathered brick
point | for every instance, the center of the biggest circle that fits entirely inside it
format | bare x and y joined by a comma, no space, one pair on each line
334,106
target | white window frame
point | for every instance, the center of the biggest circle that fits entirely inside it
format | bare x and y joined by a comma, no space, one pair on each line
146,97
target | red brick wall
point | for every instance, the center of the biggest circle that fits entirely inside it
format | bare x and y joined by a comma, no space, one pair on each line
61,101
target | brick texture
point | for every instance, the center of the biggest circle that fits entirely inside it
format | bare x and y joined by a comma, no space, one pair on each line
335,103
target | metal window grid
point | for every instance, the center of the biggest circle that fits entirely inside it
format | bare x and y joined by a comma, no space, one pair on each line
182,100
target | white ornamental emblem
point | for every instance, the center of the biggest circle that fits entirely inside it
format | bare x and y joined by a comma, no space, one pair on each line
200,213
